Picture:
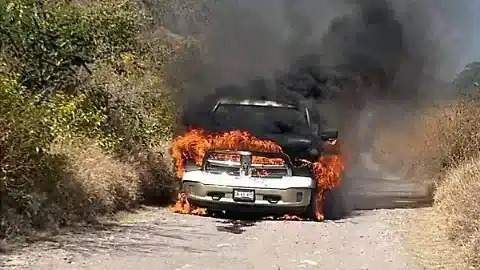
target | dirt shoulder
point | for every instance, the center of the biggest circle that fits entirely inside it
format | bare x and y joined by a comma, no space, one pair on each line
158,239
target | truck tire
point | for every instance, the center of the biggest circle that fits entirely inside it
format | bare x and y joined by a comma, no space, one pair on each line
334,206
311,211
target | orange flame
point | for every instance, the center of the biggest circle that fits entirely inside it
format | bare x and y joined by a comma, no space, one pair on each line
260,173
326,172
183,206
196,143
255,159
267,161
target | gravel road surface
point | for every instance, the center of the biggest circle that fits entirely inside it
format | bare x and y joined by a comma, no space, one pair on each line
158,239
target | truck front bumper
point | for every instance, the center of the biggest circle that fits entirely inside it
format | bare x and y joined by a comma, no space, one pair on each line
288,195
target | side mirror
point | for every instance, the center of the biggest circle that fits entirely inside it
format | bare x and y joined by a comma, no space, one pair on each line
329,135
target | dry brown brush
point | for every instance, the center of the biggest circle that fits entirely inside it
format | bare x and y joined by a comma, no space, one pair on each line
441,148
458,201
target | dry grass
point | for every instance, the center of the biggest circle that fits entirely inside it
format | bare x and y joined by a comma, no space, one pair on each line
428,239
442,148
458,201
111,184
155,170
85,184
425,147
412,147
103,184
447,236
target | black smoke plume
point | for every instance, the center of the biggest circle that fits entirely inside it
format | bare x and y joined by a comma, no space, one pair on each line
356,63
355,59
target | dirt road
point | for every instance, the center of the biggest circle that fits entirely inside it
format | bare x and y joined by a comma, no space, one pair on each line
158,239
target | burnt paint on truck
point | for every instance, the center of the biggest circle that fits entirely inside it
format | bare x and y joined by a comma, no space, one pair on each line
288,125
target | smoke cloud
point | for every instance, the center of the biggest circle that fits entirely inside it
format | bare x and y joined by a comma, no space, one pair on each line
318,50
356,63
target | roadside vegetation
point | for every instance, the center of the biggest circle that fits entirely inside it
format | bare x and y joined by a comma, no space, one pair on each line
441,149
87,103
88,93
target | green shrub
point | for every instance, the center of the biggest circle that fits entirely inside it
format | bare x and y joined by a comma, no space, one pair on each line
24,161
24,127
139,106
50,42
86,94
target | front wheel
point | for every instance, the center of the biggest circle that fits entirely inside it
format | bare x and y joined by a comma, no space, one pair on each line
334,206
315,208
329,205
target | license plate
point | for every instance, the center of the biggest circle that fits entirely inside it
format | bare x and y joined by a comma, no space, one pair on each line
244,195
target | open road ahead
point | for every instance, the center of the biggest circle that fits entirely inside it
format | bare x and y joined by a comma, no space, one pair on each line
158,239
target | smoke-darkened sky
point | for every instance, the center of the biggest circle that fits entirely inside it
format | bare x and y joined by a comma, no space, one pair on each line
453,24
308,49
251,38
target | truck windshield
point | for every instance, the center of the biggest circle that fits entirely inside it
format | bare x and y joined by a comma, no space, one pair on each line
261,118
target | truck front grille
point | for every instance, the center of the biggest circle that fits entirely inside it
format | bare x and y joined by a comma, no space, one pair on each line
245,163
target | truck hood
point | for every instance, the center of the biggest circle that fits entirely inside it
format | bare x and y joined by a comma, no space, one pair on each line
295,146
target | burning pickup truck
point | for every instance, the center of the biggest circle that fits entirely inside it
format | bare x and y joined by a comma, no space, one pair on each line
260,156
